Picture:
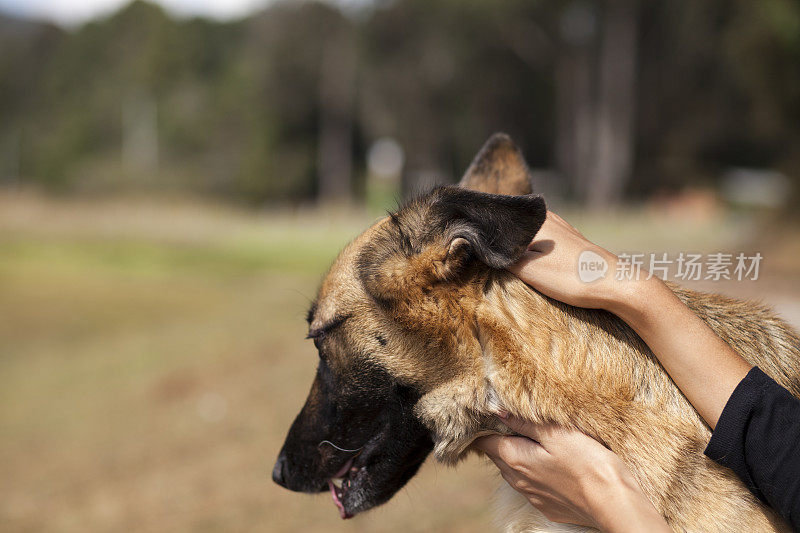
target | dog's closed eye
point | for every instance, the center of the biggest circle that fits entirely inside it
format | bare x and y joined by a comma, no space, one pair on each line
325,329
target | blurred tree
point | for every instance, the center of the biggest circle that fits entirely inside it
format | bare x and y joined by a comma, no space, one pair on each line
300,59
622,97
24,49
440,76
575,95
718,87
337,87
615,104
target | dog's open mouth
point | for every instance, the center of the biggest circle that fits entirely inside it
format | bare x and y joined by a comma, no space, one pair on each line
340,483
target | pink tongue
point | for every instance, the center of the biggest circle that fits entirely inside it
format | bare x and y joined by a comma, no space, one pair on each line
336,500
342,471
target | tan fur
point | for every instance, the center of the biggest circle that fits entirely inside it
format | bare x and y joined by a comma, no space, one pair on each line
499,168
491,341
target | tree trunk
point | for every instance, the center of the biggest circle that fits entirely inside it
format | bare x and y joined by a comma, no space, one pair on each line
575,96
615,104
337,88
575,108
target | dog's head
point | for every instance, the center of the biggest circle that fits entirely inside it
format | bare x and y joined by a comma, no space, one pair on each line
394,325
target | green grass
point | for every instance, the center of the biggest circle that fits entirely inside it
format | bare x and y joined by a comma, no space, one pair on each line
152,358
151,259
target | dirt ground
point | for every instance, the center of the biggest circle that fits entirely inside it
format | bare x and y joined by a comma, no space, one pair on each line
152,358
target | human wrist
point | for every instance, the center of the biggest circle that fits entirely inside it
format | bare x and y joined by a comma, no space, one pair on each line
632,513
631,300
624,508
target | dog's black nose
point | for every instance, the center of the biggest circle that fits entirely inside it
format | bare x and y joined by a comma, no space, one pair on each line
279,471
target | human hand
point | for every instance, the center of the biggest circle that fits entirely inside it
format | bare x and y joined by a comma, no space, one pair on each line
705,367
551,265
570,477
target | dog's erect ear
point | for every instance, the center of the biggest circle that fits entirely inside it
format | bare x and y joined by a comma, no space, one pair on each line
434,237
497,227
499,168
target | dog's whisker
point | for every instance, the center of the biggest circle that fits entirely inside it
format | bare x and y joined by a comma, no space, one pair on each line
339,447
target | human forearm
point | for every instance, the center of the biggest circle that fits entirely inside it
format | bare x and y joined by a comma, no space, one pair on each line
624,509
701,364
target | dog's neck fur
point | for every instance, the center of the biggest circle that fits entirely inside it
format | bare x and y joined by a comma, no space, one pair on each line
580,386
549,362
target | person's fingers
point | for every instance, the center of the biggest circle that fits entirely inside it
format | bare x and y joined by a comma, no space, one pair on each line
517,267
554,225
517,482
556,220
534,264
513,451
499,448
526,427
488,445
505,470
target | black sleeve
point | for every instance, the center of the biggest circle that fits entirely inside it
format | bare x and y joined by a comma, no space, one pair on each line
758,437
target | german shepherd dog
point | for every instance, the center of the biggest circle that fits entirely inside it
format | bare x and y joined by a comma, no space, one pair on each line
422,335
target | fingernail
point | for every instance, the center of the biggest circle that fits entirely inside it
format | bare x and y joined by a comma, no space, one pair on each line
502,413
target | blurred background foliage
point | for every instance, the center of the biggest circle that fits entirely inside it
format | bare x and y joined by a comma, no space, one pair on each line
162,233
611,100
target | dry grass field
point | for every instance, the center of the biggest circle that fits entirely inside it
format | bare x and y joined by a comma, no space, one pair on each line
152,359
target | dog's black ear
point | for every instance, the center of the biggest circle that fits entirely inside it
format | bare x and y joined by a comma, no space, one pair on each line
497,227
499,168
434,237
